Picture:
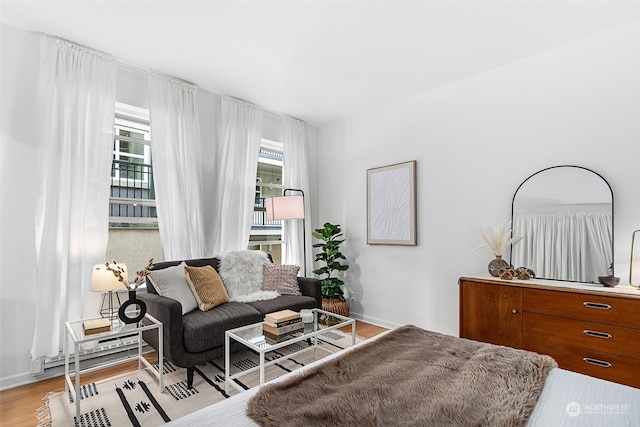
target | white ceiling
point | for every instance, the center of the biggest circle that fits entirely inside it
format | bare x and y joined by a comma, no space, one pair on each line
320,61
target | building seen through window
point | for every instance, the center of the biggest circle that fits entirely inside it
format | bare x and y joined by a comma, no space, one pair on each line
133,221
267,235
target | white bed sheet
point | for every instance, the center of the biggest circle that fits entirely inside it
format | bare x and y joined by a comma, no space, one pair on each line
567,399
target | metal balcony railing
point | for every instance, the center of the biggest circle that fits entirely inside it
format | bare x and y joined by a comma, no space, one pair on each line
133,196
132,191
260,216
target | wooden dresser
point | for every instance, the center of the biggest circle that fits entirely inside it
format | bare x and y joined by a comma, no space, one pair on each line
585,328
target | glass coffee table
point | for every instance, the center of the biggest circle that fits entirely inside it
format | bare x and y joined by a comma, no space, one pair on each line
250,337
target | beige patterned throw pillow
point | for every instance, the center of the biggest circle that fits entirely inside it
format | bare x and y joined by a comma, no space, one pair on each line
207,287
281,278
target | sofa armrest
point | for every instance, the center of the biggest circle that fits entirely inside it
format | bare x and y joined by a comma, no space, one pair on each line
311,287
169,312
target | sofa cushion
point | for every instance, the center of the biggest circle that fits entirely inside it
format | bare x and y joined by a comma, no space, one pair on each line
200,262
171,282
241,273
204,330
281,278
292,302
206,286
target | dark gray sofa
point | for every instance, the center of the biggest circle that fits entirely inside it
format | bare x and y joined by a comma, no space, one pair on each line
198,336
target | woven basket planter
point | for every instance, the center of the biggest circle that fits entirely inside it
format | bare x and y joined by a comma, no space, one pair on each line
337,306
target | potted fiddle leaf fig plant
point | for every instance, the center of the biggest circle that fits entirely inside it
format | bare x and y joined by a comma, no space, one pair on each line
332,294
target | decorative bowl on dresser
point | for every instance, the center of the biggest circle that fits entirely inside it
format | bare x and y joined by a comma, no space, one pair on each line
586,328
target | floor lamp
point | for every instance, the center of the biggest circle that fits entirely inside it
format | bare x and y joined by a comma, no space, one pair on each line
289,207
103,280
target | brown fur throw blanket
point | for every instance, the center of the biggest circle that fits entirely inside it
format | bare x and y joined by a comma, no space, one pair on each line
410,377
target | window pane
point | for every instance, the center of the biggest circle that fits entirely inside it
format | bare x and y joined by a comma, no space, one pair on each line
131,148
267,235
131,134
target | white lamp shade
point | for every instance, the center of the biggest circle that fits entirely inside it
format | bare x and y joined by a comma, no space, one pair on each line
285,207
103,280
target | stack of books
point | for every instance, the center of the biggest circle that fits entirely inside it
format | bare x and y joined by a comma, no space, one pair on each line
278,326
95,326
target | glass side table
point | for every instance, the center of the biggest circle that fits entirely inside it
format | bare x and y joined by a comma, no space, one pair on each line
75,333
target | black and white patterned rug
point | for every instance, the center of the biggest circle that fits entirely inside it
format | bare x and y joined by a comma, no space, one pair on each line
134,399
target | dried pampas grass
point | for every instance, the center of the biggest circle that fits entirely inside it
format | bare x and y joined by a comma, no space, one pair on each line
121,275
498,237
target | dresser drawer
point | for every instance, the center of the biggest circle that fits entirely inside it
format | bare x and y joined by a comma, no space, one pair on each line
539,329
623,370
592,308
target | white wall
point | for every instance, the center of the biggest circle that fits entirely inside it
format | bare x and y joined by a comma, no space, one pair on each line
475,141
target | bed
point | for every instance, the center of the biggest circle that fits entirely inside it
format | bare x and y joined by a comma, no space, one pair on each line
566,398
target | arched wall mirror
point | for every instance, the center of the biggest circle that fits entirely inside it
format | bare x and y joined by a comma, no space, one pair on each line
565,217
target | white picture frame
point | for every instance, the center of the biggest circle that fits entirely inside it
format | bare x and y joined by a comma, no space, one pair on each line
391,204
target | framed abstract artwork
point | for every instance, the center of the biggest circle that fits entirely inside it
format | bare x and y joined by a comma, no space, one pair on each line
391,204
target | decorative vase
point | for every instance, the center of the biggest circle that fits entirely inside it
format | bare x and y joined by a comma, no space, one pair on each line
334,305
496,265
142,309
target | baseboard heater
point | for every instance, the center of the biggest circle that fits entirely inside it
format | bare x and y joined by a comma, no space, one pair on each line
107,349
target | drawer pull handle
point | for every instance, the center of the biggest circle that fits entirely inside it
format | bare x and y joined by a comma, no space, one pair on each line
597,362
597,305
597,334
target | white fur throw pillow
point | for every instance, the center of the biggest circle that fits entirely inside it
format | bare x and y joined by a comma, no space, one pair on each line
241,273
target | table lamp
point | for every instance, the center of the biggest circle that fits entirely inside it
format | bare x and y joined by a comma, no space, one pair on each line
103,280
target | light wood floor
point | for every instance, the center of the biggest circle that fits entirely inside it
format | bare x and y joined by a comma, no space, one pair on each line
18,405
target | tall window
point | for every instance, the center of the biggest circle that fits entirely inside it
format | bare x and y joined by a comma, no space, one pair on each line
132,201
133,219
267,235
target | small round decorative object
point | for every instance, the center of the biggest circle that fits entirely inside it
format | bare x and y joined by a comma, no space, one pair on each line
507,274
609,281
132,301
524,273
496,265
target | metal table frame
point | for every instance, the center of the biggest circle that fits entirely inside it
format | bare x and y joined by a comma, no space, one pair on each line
262,349
75,333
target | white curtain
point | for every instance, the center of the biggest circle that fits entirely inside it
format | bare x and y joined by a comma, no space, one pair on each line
175,132
77,101
564,245
295,175
237,162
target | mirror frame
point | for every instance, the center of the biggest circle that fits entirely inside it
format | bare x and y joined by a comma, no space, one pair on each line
612,215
